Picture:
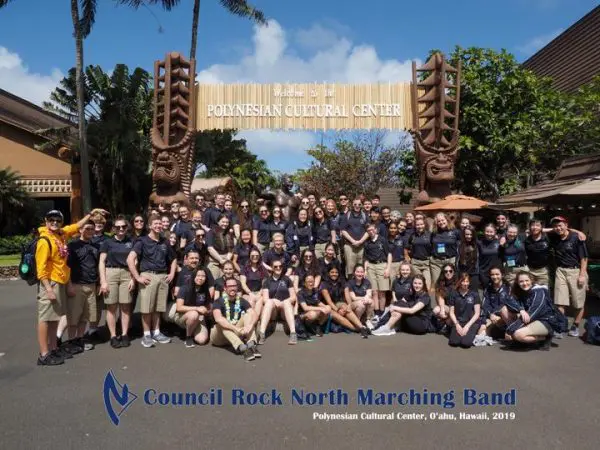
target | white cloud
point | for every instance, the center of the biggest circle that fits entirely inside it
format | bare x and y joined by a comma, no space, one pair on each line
536,43
334,58
16,78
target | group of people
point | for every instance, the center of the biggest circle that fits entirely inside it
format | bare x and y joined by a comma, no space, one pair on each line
225,276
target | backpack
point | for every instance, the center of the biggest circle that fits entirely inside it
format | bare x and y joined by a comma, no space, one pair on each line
27,266
592,330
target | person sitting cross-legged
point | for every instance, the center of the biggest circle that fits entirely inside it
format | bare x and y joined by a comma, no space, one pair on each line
235,322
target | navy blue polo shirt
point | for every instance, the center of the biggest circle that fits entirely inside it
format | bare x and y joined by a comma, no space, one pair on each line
464,305
83,261
185,275
376,251
117,251
243,252
322,231
397,248
420,245
254,278
301,272
568,252
183,229
263,227
359,290
278,227
271,256
196,296
402,288
278,288
154,256
494,299
489,254
414,298
299,235
444,244
354,223
513,253
325,266
309,297
211,216
538,251
335,289
98,240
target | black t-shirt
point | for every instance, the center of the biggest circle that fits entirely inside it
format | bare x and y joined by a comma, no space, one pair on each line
402,288
278,288
513,253
185,275
211,216
376,251
464,305
301,272
254,278
83,261
243,252
154,256
445,244
354,224
335,289
420,245
412,299
271,256
359,290
397,248
322,231
263,228
278,227
220,284
235,312
538,252
569,252
196,296
325,266
310,297
116,251
97,240
489,255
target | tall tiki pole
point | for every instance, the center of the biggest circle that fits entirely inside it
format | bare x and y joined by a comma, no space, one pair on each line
83,151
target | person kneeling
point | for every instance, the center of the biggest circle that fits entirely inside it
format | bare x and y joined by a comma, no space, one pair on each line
413,311
314,313
465,312
528,312
192,307
234,322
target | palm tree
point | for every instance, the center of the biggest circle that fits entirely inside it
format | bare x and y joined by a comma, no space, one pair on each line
13,197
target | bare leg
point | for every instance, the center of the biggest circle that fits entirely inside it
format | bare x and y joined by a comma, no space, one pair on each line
343,321
288,310
147,322
43,337
111,319
125,318
266,315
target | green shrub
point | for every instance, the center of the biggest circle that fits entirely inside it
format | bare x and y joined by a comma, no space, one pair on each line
11,245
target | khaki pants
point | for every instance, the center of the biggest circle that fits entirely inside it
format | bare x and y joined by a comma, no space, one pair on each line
542,275
511,273
375,274
118,286
422,267
566,291
394,271
320,250
215,269
220,337
153,297
354,256
51,311
82,305
262,247
437,265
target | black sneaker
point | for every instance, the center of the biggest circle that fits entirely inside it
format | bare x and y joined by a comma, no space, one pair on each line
546,343
115,342
73,347
61,352
125,342
364,332
189,342
319,331
255,351
50,359
249,355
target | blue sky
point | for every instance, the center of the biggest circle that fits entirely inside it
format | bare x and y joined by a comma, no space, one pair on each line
335,41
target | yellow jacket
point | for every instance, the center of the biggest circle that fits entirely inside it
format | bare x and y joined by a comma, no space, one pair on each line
51,263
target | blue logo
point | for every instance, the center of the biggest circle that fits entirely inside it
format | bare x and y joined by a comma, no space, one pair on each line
117,394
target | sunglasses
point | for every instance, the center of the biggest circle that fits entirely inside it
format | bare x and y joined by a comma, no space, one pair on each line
120,227
244,206
448,271
276,211
307,256
343,199
254,256
264,212
318,212
54,221
199,236
138,221
278,266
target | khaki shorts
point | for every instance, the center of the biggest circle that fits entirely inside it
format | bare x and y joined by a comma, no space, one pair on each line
353,256
320,250
394,271
153,297
375,274
535,328
51,311
566,291
422,267
437,265
215,269
542,275
81,306
118,286
510,273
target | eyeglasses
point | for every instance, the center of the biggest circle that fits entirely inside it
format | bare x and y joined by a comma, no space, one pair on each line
244,206
318,212
276,211
254,256
307,256
58,221
120,227
277,266
200,236
305,203
448,271
343,199
138,221
88,229
264,211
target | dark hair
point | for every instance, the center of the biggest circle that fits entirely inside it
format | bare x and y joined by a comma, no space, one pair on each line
314,265
495,268
441,285
461,277
516,289
248,266
193,279
192,250
468,251
422,278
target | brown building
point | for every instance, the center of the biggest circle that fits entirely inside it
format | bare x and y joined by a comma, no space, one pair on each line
46,174
572,59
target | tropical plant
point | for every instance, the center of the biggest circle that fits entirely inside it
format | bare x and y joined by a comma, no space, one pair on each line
14,199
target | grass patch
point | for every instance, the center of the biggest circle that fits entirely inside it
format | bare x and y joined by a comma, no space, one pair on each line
10,260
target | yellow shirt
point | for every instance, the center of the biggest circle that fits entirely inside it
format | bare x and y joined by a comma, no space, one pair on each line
51,263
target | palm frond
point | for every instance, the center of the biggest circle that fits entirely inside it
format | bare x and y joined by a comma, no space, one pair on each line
88,16
243,9
166,4
4,3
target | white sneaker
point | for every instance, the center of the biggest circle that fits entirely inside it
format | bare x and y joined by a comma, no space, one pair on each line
384,331
369,325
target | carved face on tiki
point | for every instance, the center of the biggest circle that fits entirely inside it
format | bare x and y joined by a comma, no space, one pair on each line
438,166
167,170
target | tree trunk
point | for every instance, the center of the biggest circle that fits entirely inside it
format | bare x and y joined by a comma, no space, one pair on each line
83,151
195,15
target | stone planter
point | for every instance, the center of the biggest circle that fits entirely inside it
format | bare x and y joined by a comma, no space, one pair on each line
9,272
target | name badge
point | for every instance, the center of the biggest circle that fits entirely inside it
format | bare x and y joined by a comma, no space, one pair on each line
441,249
511,261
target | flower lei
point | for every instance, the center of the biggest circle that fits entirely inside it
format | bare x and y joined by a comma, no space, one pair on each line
237,309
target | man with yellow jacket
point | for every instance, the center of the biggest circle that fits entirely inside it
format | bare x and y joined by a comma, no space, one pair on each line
53,274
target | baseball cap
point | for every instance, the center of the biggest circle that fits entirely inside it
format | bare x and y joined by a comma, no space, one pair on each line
558,219
54,213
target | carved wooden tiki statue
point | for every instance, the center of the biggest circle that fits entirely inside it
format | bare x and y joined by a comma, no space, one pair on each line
173,129
435,104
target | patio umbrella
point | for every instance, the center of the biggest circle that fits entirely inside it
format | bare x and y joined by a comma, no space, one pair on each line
455,203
